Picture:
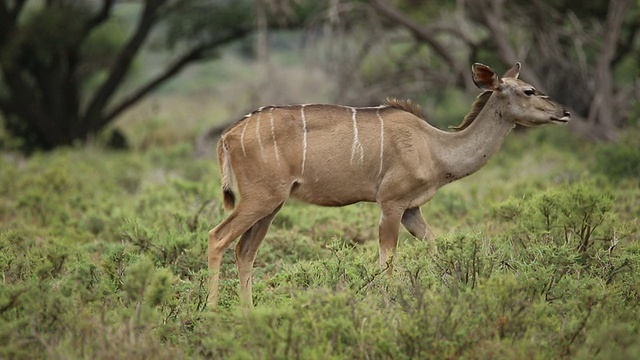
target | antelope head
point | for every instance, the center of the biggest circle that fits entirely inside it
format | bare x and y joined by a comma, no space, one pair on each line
525,105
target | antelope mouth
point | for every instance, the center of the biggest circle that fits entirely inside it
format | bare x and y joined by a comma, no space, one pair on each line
563,120
566,116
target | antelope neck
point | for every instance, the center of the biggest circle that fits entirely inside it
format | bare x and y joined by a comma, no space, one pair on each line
465,152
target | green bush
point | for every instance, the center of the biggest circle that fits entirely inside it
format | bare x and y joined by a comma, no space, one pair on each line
578,216
620,160
103,255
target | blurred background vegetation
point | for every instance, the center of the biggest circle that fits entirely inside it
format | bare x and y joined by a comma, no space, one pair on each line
71,69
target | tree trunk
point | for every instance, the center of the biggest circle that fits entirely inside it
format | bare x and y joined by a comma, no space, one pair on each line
602,113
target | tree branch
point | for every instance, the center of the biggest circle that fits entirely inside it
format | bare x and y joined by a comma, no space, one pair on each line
8,17
490,16
626,43
601,106
100,17
135,96
420,32
122,64
18,5
194,54
425,34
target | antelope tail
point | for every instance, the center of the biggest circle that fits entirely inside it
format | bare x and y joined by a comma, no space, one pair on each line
228,197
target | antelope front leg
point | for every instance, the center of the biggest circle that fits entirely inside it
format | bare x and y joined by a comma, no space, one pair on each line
389,228
413,221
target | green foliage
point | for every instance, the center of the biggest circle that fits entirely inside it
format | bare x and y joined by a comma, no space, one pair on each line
577,216
620,160
103,255
45,33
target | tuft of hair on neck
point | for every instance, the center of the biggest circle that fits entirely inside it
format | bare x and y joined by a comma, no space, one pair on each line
405,105
477,106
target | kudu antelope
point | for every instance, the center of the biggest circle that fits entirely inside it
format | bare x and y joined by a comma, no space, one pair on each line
337,155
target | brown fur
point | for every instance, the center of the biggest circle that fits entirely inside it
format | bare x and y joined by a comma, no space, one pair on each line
477,106
405,105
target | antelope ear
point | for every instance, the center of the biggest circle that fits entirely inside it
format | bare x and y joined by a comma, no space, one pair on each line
513,72
485,78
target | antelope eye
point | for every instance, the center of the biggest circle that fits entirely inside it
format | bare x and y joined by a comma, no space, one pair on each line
530,92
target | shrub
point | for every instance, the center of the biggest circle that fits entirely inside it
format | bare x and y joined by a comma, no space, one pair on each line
578,215
620,160
103,255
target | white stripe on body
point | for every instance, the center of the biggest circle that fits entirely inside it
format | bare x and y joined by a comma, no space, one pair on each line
304,137
363,107
244,128
357,146
381,140
258,135
273,136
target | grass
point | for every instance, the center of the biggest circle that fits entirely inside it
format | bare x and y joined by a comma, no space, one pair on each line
103,255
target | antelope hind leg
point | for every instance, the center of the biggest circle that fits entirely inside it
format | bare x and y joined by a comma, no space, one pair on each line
413,221
237,223
246,250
